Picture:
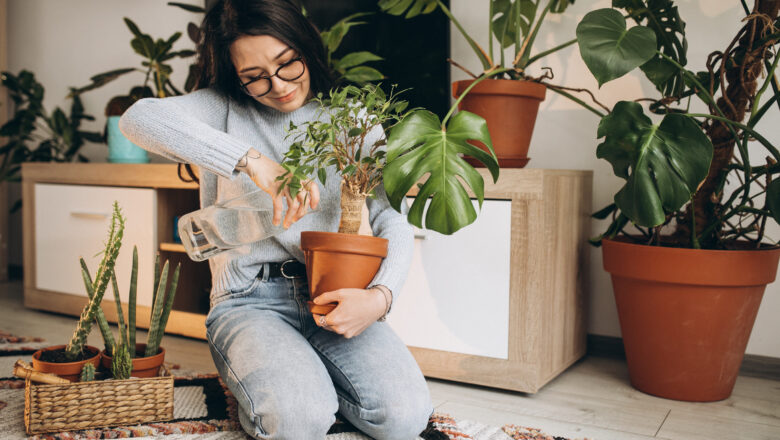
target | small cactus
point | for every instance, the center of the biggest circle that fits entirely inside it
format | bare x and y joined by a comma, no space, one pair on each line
100,317
99,285
163,303
88,373
121,363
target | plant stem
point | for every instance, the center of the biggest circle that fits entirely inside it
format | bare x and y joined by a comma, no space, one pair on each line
465,92
775,153
483,58
578,101
694,238
522,55
549,51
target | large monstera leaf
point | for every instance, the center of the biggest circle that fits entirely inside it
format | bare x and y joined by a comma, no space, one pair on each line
663,165
609,49
417,147
663,18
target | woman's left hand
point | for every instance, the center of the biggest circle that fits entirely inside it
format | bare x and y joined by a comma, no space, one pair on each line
357,309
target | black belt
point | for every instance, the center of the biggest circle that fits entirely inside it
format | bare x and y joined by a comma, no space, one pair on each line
287,269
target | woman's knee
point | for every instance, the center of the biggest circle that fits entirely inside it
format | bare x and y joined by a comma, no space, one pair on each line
288,422
399,417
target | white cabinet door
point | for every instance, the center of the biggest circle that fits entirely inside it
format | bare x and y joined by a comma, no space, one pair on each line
73,221
456,297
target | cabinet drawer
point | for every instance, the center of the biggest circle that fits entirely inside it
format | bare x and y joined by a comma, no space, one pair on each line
72,221
456,296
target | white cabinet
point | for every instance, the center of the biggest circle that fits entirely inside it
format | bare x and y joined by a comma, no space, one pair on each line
456,296
72,221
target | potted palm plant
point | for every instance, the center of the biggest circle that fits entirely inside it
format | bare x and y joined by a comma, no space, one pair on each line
509,101
688,253
67,361
419,148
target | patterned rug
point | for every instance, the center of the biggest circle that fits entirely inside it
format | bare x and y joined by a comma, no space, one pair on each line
204,409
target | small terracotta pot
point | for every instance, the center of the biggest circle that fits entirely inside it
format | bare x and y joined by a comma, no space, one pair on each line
510,109
686,314
338,261
67,370
143,366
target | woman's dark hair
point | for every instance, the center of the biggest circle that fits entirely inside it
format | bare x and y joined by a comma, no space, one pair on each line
228,20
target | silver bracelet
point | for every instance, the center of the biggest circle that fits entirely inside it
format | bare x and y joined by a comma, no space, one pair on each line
388,295
244,161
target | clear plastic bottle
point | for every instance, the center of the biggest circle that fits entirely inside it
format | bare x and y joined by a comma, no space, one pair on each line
227,225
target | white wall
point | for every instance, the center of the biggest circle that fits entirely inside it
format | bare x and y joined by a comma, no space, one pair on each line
565,133
66,42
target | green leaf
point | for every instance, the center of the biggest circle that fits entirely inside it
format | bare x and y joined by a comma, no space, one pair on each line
773,199
354,59
133,28
663,165
609,49
664,19
605,212
418,147
415,7
363,74
102,78
188,7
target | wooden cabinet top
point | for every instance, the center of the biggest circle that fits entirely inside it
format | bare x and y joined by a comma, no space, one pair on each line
525,183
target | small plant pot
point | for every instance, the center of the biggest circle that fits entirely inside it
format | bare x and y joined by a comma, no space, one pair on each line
142,366
339,261
510,108
66,370
120,149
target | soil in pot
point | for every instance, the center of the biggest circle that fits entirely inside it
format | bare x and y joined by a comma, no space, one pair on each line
67,370
510,108
338,261
142,366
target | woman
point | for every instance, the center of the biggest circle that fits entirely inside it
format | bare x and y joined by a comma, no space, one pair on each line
261,62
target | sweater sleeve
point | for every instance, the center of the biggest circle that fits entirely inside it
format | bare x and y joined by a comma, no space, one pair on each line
387,223
188,128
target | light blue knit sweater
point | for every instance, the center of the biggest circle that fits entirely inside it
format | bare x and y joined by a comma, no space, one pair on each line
207,129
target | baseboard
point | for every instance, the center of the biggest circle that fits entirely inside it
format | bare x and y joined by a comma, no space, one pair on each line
765,367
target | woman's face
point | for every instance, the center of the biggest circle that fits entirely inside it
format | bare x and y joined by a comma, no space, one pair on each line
262,55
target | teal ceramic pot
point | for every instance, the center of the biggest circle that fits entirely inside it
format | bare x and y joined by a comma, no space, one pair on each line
120,149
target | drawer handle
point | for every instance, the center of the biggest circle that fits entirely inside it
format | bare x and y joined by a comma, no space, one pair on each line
90,215
420,235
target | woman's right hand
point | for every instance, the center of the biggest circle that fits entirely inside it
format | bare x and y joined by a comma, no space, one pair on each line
264,171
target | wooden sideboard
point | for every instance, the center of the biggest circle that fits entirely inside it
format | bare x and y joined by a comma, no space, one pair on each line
501,303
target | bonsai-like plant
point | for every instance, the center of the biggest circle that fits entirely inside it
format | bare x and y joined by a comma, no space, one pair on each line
513,23
418,145
676,171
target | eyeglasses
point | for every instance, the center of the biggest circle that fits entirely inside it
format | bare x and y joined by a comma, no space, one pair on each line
261,85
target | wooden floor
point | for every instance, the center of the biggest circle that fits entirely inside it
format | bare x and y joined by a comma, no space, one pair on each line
591,399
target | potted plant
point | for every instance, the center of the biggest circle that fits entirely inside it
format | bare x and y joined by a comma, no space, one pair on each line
509,101
143,360
68,360
419,148
689,276
120,149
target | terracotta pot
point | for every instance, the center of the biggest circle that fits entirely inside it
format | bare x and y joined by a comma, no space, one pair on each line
510,109
142,367
67,370
338,261
686,314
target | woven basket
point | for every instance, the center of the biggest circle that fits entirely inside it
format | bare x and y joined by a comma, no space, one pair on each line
97,404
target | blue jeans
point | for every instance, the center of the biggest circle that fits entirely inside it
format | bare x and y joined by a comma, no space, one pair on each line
290,377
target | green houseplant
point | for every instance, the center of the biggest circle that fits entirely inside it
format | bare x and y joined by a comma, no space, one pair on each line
67,361
690,272
419,148
143,360
509,101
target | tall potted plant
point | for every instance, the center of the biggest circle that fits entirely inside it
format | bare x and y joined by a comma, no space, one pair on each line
68,360
689,276
419,147
509,101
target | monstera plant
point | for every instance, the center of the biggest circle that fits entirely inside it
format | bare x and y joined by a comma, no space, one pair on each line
687,245
509,101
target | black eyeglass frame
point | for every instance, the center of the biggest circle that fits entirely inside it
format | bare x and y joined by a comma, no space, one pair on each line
245,88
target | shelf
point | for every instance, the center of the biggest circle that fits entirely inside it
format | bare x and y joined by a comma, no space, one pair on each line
172,247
